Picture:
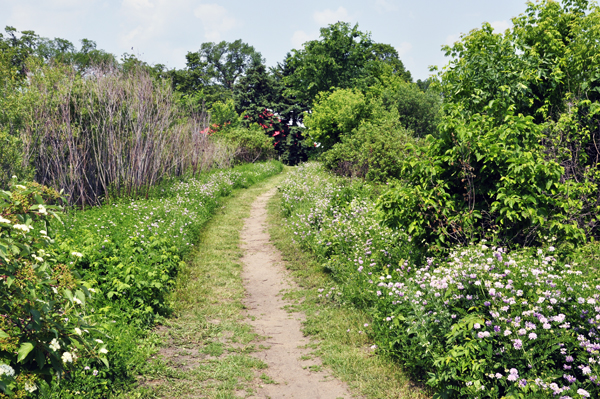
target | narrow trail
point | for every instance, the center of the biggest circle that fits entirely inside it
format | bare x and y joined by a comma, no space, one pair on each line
264,280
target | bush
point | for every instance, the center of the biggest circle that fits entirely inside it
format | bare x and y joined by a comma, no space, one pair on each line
45,329
251,144
517,156
374,152
483,322
11,160
336,114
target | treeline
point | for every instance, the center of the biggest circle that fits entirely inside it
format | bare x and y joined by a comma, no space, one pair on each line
60,137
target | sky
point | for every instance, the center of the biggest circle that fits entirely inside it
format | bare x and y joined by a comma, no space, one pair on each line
163,31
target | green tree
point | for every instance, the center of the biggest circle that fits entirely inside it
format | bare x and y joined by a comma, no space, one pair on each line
341,58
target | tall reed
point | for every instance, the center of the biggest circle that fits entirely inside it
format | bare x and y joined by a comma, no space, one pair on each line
110,132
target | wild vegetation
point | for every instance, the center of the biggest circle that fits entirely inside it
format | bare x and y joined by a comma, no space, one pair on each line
457,216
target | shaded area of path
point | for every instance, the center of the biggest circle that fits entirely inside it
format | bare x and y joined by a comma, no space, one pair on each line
264,279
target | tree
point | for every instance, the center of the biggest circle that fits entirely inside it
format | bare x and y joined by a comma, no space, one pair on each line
260,97
212,72
341,58
226,62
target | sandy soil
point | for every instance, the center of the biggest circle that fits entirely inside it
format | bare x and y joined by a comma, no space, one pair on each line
264,279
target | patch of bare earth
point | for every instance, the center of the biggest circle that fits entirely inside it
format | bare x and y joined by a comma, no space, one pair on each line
265,277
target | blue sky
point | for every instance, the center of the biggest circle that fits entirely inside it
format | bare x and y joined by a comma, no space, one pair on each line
163,31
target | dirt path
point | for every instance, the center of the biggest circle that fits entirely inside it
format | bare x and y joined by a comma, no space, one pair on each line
264,279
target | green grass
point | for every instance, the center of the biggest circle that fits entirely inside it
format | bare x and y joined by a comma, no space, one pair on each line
205,349
347,354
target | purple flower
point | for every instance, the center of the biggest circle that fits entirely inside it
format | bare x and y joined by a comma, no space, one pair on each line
518,344
570,379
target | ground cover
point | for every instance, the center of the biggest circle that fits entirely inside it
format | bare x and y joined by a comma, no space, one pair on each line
205,348
481,322
103,274
337,329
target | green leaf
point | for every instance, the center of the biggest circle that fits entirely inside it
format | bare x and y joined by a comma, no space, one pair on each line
24,350
3,334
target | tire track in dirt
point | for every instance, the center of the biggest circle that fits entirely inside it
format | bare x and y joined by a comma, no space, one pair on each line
264,279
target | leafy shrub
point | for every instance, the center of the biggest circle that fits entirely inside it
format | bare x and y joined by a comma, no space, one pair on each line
374,151
514,158
417,111
11,160
44,329
251,143
336,114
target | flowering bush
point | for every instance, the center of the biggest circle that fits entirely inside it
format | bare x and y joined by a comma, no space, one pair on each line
484,322
44,329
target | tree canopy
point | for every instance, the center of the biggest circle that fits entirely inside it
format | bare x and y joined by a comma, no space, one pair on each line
341,58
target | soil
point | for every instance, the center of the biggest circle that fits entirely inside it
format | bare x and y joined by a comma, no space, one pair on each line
265,279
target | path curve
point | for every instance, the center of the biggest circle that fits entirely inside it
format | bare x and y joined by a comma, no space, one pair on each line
264,278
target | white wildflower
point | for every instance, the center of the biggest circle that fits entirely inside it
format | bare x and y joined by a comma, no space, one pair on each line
54,345
23,227
30,387
67,357
6,370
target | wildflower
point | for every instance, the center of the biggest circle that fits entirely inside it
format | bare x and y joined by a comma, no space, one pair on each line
583,393
477,326
67,357
2,220
103,350
77,301
532,336
6,370
77,254
77,331
54,345
30,387
95,372
23,227
518,344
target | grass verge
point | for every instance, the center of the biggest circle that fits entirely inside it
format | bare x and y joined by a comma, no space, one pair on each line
337,330
204,351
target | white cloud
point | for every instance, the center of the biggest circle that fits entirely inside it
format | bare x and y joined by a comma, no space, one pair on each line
385,5
404,48
328,16
215,19
451,39
501,26
300,37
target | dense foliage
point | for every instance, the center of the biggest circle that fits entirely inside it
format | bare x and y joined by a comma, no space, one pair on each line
483,322
517,155
79,293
